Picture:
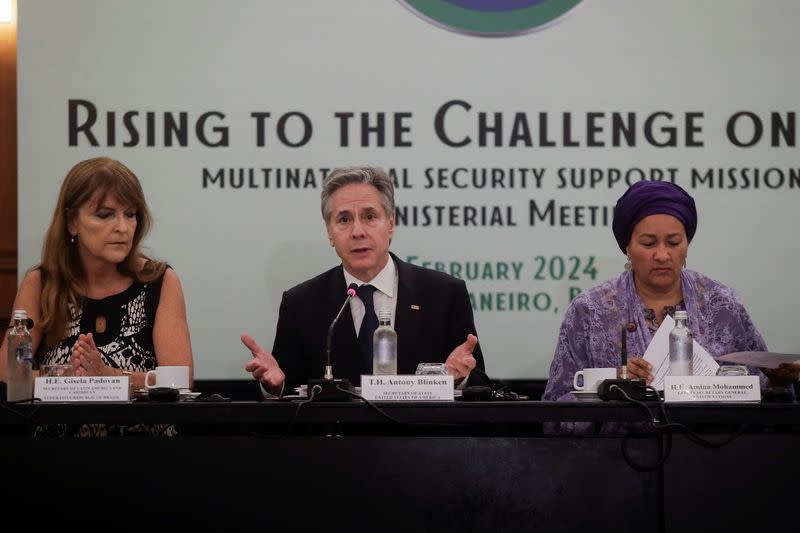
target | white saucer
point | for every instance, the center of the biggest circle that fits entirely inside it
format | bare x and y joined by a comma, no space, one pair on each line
585,395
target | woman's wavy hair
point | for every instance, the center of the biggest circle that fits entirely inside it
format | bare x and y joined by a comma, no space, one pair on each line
62,271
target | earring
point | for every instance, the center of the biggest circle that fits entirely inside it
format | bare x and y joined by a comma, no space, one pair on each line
628,265
72,239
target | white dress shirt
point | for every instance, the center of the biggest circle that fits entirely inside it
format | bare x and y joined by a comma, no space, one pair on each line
384,298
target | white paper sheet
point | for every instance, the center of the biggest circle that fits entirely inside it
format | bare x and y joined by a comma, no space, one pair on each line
657,354
761,359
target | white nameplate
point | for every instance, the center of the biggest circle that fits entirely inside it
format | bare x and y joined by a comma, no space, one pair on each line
712,389
82,389
412,388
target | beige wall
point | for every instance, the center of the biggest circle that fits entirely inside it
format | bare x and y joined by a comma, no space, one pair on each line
8,165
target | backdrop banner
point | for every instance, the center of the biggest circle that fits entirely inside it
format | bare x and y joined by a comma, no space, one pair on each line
510,127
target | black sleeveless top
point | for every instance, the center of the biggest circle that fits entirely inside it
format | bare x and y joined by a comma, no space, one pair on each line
126,342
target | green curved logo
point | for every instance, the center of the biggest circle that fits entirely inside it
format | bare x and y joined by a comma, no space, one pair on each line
491,18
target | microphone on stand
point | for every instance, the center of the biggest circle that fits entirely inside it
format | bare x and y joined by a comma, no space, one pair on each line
351,291
623,369
624,388
329,388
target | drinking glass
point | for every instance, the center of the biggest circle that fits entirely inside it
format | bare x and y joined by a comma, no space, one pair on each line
732,370
431,369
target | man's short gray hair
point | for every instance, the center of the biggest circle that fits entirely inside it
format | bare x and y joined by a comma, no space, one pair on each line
339,177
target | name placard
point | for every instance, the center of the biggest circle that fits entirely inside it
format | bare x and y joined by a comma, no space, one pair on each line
410,388
82,389
712,389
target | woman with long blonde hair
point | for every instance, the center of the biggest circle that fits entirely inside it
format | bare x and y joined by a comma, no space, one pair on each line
97,302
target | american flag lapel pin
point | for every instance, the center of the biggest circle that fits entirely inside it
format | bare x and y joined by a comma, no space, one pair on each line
414,307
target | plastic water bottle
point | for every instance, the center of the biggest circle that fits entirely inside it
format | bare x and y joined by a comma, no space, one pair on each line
681,347
384,346
20,359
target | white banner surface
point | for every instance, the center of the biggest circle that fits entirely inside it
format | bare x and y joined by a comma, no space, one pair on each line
509,150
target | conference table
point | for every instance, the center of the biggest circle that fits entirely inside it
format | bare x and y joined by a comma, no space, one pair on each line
465,466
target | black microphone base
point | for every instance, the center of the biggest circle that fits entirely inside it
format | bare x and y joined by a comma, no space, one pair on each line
636,389
330,390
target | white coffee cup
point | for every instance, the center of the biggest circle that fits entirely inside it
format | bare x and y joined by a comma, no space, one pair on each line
173,377
592,377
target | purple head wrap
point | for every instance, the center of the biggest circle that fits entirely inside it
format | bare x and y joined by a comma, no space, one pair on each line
645,198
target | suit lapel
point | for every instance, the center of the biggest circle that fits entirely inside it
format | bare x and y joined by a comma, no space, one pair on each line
407,318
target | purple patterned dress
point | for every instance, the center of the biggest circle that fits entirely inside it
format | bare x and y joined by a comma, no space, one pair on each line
590,333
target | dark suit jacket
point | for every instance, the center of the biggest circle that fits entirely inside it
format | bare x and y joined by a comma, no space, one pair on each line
427,334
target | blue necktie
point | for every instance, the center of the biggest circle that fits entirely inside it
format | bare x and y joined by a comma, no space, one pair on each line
368,325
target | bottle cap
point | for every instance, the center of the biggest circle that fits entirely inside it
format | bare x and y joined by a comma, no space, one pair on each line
681,315
20,314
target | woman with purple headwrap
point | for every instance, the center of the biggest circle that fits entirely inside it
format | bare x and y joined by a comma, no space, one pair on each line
654,222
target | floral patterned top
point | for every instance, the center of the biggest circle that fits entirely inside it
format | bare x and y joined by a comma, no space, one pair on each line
589,335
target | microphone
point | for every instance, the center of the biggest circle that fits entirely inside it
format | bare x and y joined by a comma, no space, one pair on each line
624,388
351,291
623,370
329,388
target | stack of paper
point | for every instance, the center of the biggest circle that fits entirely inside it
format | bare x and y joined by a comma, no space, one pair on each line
761,359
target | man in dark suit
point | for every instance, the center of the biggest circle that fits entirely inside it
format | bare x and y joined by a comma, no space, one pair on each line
431,311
